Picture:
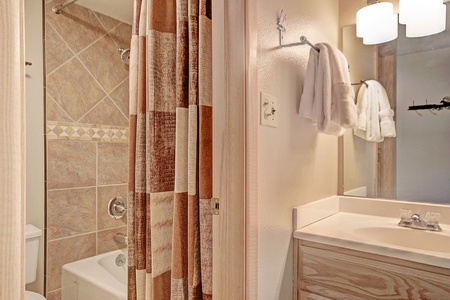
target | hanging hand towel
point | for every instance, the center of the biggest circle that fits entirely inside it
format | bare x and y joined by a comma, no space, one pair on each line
328,98
375,116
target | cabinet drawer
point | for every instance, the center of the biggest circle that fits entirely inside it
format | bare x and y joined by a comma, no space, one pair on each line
337,276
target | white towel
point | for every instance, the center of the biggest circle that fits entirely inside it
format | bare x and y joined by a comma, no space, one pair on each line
328,98
375,116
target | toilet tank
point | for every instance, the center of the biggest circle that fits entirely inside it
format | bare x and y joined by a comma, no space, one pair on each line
33,234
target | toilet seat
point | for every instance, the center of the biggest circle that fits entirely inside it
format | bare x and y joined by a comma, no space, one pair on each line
33,296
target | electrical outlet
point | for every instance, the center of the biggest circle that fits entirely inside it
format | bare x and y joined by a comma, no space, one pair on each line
269,110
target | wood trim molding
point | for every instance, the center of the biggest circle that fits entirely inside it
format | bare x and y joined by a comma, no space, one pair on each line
12,152
251,153
229,156
387,61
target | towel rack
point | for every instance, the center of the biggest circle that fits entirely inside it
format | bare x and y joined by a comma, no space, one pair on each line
445,103
281,25
361,82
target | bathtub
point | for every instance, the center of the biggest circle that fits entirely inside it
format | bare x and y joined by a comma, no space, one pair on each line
96,278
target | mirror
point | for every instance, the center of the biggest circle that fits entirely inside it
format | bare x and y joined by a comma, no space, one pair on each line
419,160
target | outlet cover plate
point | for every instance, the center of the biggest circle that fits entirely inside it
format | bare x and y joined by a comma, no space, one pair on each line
269,110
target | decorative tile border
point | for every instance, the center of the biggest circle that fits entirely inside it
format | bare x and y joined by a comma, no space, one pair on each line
86,132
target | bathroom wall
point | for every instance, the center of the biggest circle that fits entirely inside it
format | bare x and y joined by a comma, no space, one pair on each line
86,135
296,164
34,83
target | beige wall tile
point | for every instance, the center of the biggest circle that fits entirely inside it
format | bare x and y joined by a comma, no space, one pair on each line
107,22
63,251
112,163
121,97
70,164
105,240
105,113
71,212
56,50
74,89
78,26
54,112
104,63
104,195
122,35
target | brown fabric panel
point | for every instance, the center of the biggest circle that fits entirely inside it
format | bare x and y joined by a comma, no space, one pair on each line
148,239
161,67
180,237
206,240
193,59
182,54
162,151
207,296
195,292
131,282
131,230
162,15
205,152
131,152
142,76
193,242
161,286
205,8
141,231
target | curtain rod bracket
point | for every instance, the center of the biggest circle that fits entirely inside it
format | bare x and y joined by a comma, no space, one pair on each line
58,8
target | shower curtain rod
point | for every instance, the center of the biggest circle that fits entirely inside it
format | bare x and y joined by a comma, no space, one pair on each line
58,8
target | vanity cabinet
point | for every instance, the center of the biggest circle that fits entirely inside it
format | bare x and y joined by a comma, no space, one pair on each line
325,272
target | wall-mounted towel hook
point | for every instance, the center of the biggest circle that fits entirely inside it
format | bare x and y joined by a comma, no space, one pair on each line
281,26
445,103
361,82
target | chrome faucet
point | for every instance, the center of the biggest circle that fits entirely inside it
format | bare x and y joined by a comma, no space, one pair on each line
121,238
415,221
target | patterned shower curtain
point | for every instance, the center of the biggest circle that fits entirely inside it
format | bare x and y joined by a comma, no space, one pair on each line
170,162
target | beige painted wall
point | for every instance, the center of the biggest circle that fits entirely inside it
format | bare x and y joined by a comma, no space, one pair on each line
296,164
34,83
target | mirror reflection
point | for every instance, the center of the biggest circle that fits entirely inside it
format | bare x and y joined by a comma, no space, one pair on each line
415,165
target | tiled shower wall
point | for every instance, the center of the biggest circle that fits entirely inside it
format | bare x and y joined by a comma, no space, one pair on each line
86,130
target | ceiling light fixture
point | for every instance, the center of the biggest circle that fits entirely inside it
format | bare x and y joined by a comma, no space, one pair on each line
422,17
376,23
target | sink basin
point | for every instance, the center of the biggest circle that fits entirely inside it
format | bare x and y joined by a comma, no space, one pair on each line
406,237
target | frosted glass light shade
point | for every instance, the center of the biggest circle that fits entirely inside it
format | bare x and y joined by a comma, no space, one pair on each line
422,17
377,23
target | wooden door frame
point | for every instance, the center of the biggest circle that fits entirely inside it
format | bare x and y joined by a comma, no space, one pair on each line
235,115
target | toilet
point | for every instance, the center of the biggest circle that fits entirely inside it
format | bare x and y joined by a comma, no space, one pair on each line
33,235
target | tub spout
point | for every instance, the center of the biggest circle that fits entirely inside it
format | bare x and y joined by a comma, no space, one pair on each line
121,238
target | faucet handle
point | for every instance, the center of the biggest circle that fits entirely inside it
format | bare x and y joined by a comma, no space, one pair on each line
433,217
405,214
405,217
433,221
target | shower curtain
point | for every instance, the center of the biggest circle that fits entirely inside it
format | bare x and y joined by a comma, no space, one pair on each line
170,158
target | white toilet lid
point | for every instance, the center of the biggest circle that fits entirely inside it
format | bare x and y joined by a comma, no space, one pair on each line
33,296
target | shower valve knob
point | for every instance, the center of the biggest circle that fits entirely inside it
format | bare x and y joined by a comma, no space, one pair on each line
117,208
